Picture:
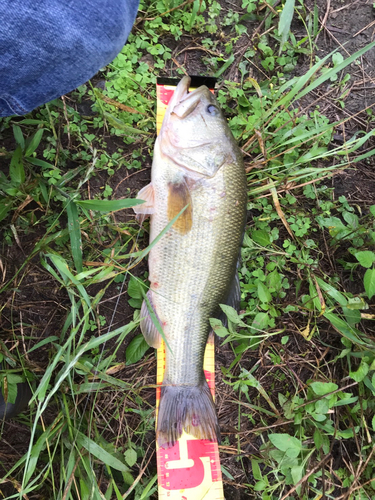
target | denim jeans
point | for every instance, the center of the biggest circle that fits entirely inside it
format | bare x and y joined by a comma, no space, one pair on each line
50,47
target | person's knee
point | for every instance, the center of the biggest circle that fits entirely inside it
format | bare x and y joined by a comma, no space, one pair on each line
50,47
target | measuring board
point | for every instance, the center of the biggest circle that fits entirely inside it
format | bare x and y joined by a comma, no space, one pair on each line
190,470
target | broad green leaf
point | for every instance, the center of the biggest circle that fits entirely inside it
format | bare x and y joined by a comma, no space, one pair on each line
326,443
365,258
75,234
230,313
323,388
263,293
361,373
273,280
352,316
16,170
297,473
218,327
318,440
372,210
260,485
136,349
322,406
345,434
131,457
18,135
357,303
260,322
293,452
373,423
136,288
109,205
369,283
100,453
286,443
256,470
34,142
261,237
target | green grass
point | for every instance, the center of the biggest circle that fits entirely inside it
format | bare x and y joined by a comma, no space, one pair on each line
307,273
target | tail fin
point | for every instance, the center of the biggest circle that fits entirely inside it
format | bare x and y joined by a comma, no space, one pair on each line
188,408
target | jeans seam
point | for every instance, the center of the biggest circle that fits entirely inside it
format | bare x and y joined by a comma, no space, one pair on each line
13,104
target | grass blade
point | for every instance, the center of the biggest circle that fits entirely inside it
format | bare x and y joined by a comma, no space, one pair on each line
285,22
109,205
16,170
336,69
34,143
18,135
75,235
99,452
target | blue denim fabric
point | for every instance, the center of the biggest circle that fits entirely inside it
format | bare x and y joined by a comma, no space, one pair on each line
50,47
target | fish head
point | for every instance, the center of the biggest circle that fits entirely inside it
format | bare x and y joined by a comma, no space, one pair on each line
195,134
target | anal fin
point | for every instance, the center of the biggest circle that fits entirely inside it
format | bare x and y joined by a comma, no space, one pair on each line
148,327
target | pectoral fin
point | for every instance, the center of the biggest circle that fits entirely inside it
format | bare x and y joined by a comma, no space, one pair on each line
148,207
148,327
178,198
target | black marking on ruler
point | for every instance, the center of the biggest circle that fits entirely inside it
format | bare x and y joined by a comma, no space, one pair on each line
196,81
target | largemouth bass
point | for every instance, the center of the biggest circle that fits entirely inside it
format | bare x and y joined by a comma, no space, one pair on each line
192,269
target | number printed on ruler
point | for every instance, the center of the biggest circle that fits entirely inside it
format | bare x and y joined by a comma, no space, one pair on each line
189,470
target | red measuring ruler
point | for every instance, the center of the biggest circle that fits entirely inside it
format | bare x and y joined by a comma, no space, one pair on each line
190,470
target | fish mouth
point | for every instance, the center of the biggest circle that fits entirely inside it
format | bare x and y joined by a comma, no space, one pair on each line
184,102
181,92
187,102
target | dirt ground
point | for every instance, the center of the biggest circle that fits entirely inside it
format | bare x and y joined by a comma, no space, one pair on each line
348,26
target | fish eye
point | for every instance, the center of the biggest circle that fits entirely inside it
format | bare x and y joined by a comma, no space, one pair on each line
212,110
